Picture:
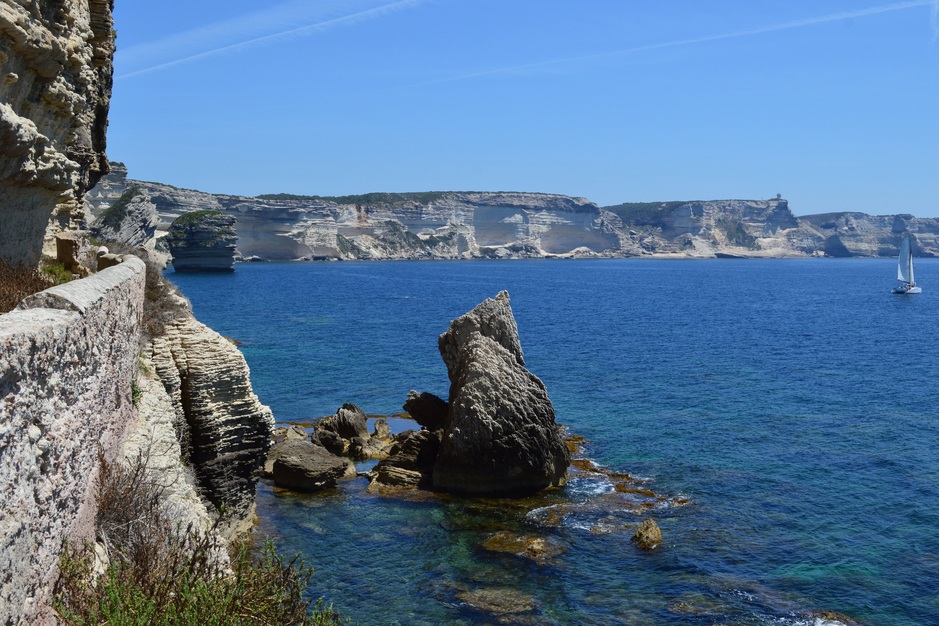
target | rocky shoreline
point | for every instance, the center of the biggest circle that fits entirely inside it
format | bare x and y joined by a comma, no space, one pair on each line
496,435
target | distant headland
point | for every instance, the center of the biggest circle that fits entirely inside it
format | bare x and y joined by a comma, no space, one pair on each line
505,225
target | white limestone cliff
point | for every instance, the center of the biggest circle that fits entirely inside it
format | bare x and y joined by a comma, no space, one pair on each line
56,87
501,225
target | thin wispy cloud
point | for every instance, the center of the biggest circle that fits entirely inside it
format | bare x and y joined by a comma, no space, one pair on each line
934,19
811,21
273,25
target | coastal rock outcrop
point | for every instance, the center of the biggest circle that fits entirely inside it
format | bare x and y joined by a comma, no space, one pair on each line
56,89
348,422
132,220
648,535
500,436
223,428
410,462
203,241
304,466
497,435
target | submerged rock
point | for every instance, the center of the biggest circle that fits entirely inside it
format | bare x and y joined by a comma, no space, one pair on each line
648,536
499,601
500,436
537,549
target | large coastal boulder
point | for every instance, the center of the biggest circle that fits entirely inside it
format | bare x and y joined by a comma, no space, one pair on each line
203,241
500,436
303,466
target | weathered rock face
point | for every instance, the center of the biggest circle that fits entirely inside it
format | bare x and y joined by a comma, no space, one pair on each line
427,409
456,225
348,422
68,358
54,97
500,436
303,466
223,427
410,461
648,535
203,241
131,220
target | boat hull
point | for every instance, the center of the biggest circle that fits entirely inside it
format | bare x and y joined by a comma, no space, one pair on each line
907,290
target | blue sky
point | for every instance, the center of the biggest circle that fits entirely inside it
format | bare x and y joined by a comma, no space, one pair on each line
834,104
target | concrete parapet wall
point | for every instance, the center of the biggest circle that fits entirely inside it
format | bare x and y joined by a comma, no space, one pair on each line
68,358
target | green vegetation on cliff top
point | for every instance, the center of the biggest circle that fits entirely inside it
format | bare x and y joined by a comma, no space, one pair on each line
194,217
114,215
645,213
422,197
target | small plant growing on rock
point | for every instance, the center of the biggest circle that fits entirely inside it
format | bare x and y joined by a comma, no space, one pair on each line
162,573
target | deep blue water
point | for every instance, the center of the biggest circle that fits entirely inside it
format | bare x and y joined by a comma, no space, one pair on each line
793,402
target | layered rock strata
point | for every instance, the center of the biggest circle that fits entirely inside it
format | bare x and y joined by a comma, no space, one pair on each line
68,359
56,88
456,225
203,241
224,429
132,220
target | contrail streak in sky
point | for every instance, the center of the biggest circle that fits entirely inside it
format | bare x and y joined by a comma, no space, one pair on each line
811,21
934,19
352,18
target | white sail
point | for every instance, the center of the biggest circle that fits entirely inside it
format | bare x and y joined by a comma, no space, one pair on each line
905,262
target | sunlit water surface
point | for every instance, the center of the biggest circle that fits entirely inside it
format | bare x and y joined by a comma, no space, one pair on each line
793,402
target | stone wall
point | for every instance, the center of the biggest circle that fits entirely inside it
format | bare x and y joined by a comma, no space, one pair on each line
55,90
68,358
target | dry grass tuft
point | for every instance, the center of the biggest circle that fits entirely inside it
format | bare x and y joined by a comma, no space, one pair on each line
17,282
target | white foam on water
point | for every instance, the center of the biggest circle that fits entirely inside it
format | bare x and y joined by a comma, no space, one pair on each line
590,486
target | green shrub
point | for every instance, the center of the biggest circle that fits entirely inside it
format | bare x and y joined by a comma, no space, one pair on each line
56,272
194,217
162,573
640,214
261,589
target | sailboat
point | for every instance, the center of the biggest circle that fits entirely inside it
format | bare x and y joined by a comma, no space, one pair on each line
905,269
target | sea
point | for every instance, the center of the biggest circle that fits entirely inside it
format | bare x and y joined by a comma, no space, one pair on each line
779,419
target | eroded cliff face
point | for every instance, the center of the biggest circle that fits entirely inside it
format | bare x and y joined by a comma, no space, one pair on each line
56,88
463,225
223,429
449,225
80,379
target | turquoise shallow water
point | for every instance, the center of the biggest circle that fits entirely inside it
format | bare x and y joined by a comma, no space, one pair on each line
793,402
